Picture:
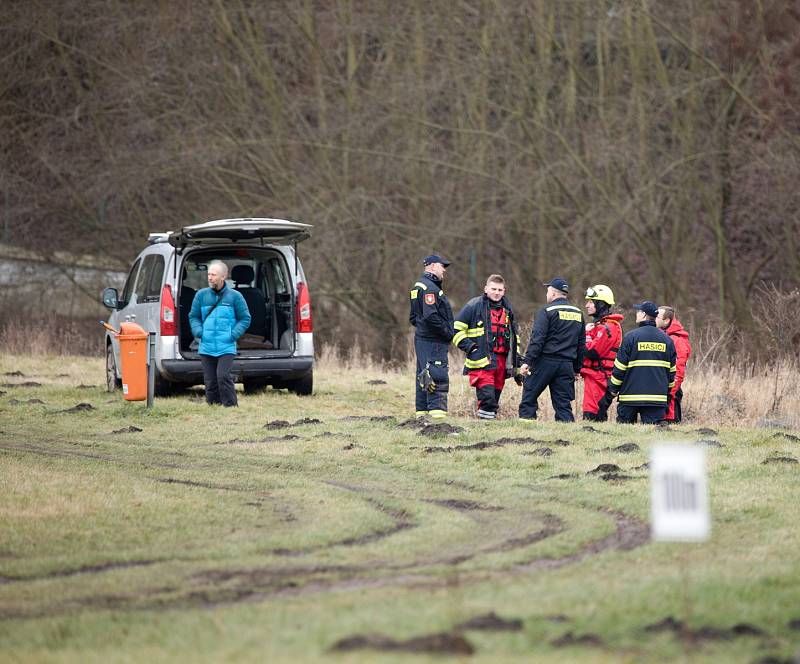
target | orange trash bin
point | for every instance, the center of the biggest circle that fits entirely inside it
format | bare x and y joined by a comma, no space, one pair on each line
133,358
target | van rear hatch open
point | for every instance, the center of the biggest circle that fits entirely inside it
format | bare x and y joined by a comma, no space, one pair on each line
225,231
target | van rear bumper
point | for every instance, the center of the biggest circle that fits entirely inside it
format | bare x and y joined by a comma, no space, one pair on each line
190,372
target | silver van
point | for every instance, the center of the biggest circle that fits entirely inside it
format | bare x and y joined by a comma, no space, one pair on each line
278,347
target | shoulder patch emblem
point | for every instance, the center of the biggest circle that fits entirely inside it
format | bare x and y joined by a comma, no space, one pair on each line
430,298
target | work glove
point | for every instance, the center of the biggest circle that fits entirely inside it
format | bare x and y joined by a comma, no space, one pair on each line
425,381
519,379
604,404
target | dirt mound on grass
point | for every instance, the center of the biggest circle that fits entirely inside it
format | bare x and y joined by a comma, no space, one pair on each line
591,429
572,639
439,429
615,477
277,424
500,442
778,459
543,452
706,632
79,408
605,468
27,383
490,622
787,436
442,643
705,431
625,448
709,443
128,429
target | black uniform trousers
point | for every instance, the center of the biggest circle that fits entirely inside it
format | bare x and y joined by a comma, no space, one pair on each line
559,376
433,356
218,379
626,413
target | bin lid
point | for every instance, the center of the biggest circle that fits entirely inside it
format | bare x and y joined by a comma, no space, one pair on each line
131,331
224,231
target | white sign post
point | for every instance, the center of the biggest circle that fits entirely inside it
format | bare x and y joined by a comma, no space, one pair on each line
679,494
679,507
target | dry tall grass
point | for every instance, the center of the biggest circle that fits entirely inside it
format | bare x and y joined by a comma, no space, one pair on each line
56,335
743,393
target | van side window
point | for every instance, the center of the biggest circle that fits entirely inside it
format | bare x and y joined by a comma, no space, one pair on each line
152,291
278,277
126,292
152,264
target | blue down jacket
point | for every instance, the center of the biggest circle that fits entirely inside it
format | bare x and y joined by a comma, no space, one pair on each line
218,331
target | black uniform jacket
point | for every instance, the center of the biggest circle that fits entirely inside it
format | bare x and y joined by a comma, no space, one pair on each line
430,310
559,333
644,369
473,325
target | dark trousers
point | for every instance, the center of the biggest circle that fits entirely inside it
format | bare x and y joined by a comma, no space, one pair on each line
433,356
626,413
559,376
218,379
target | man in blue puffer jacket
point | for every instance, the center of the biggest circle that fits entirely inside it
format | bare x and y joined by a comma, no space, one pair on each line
219,316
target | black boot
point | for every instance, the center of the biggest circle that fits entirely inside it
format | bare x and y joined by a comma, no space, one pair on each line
594,417
487,403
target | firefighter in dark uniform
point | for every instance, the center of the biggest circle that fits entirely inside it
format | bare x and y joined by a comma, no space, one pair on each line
554,355
432,317
487,332
644,371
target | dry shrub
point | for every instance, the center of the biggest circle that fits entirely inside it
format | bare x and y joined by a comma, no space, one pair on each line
735,395
331,357
54,335
776,315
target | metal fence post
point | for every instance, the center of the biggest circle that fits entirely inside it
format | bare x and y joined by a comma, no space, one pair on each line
151,368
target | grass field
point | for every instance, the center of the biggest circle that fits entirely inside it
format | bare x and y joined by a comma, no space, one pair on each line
190,533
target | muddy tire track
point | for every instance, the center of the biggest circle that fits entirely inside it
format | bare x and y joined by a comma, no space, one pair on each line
216,587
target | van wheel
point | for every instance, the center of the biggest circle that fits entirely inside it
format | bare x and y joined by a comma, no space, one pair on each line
302,386
254,386
112,382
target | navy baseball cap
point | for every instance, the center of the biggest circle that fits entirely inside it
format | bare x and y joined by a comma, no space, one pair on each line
650,308
559,284
435,258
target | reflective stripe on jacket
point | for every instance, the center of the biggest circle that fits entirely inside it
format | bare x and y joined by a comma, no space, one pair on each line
474,325
644,369
559,333
429,311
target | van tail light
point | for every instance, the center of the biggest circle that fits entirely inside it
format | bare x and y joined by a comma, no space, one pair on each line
303,311
168,326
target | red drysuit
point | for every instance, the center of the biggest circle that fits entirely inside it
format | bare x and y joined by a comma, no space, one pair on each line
680,337
602,342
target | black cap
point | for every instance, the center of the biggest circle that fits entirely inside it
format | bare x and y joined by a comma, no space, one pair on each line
650,308
559,284
435,258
